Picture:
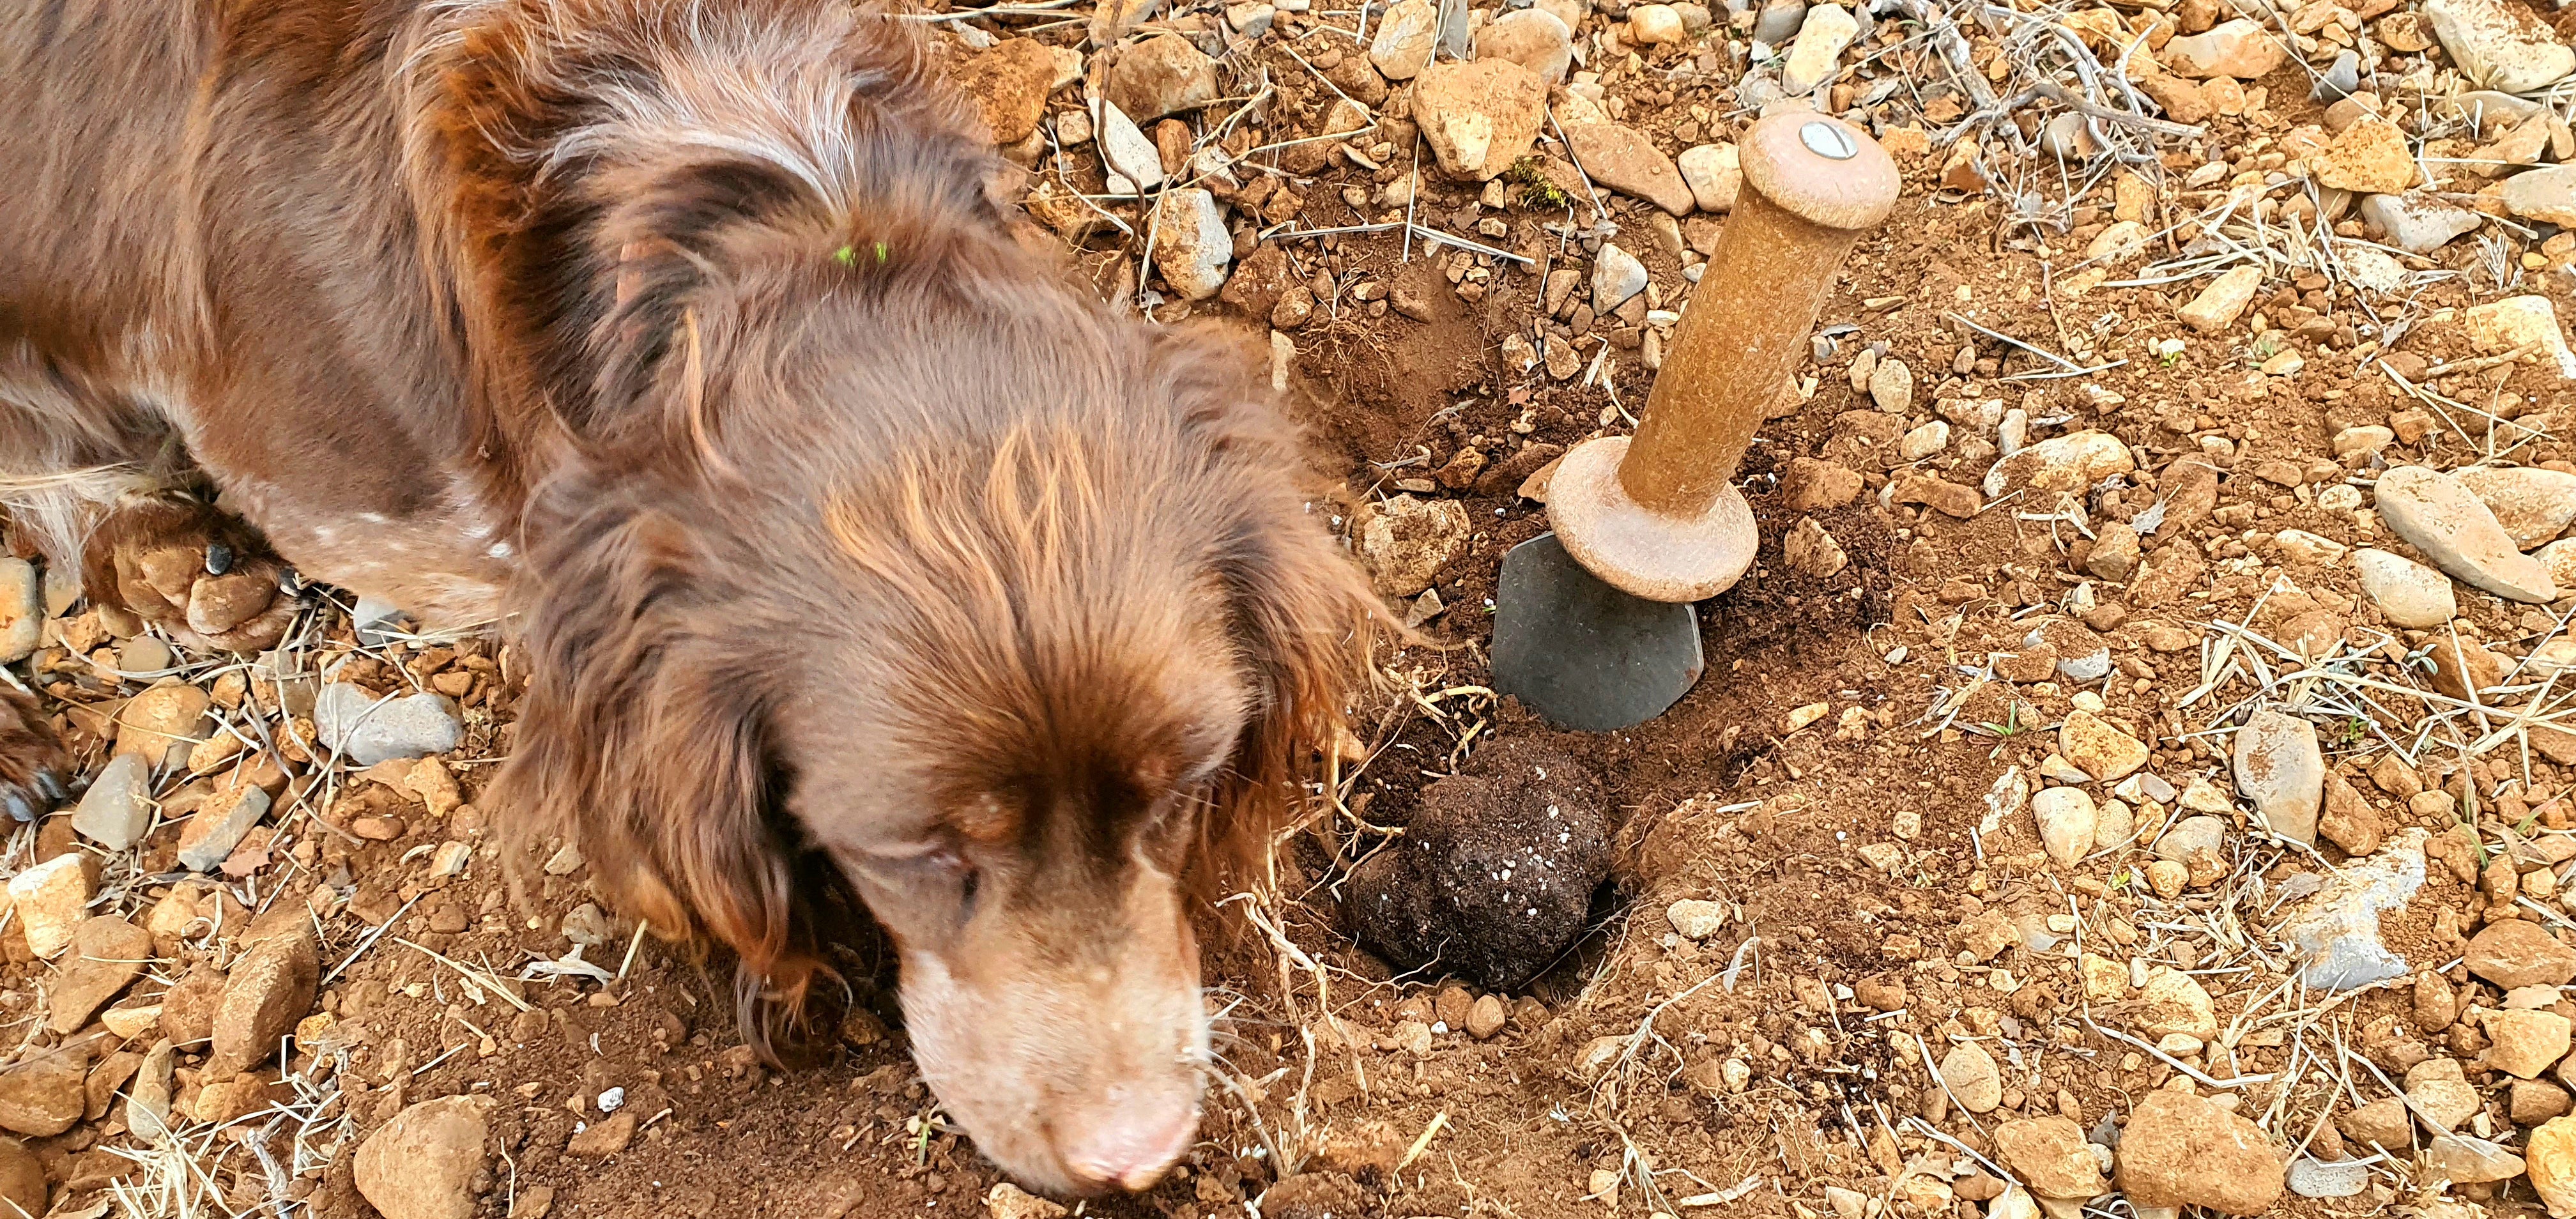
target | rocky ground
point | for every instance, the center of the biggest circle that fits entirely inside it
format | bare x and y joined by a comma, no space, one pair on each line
2135,778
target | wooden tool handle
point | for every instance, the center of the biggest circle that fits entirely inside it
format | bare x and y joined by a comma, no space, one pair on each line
1812,186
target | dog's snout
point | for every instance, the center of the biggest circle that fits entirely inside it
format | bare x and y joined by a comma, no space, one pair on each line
1127,1141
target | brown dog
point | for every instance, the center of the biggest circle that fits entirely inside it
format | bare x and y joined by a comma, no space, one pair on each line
851,546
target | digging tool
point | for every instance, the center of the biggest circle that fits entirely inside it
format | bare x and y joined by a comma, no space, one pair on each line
1593,625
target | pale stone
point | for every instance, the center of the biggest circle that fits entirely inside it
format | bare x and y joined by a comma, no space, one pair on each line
2175,1002
2534,505
2408,593
2074,462
1714,174
1972,1077
1191,245
2500,45
2547,195
50,899
1403,43
1616,276
1696,919
2065,816
2223,301
1479,118
2242,48
2435,514
1655,25
2124,241
1827,30
117,808
2102,749
1534,38
2519,322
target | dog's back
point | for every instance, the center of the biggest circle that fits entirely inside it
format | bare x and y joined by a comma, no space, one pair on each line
89,228
89,205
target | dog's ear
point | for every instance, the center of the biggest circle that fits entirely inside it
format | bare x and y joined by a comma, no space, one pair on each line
1304,620
645,745
1303,616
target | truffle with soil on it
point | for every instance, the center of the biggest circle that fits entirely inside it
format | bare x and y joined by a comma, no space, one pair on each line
1494,876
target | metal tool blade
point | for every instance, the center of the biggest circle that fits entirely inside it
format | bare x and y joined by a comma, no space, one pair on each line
1581,653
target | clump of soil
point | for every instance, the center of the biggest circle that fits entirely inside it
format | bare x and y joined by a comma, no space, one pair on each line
1494,877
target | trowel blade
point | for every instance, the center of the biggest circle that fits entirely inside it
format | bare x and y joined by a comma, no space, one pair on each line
1583,654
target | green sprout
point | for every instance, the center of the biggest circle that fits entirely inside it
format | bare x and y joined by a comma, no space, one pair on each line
1535,184
848,256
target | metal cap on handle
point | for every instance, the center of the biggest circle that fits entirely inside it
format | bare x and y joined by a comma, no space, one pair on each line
1658,515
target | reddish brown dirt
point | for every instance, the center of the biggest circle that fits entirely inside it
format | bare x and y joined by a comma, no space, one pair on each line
1520,1130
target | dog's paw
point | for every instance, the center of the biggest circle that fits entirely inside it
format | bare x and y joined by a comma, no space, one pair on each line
204,577
35,770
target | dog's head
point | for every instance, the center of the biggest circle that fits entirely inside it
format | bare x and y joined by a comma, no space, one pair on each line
866,557
1018,627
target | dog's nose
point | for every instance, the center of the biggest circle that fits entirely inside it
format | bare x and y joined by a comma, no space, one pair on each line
1127,1142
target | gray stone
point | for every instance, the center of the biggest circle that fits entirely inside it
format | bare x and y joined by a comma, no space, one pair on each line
2087,668
2337,931
377,620
1134,164
2341,80
2313,1178
2418,224
117,808
2280,769
2436,514
365,730
212,834
1779,21
1616,276
2472,1161
149,1093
